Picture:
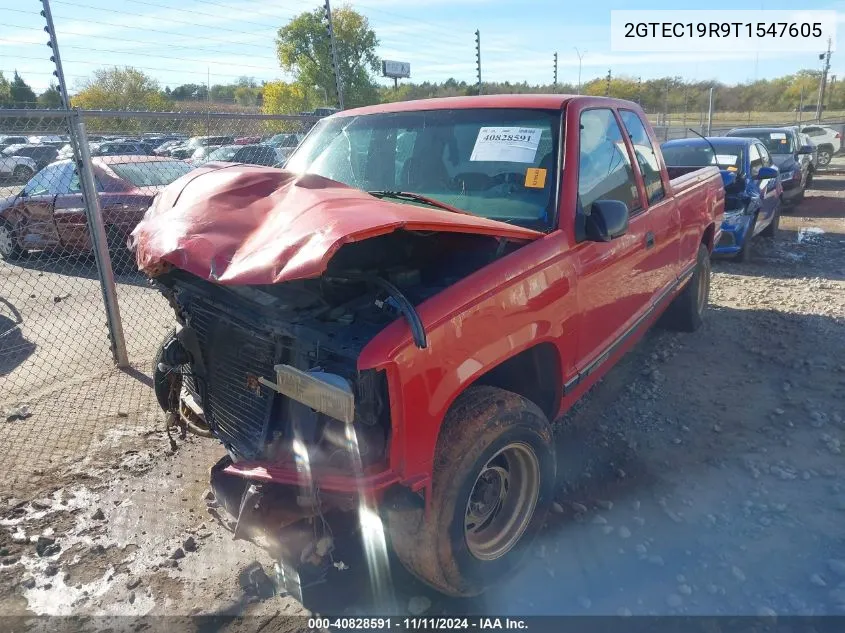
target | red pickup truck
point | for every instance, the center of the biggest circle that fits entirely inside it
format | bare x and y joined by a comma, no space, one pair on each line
392,323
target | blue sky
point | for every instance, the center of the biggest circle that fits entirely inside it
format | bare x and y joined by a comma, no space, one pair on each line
182,41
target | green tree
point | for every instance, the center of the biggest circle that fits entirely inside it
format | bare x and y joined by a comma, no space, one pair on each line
304,48
280,97
50,98
21,94
117,88
5,92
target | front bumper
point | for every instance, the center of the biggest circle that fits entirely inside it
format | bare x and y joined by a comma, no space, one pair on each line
733,236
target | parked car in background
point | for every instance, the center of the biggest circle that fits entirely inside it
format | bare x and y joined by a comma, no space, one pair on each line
48,212
166,146
183,152
221,154
828,140
16,168
199,154
789,155
210,141
752,186
120,148
247,140
6,141
481,278
805,141
259,154
286,143
48,139
42,154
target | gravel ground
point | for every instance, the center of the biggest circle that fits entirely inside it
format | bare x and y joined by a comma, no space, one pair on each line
703,475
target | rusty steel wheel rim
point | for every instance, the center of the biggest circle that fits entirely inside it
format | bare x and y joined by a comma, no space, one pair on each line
703,286
502,501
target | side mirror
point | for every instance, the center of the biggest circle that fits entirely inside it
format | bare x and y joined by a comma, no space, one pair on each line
766,173
608,219
806,149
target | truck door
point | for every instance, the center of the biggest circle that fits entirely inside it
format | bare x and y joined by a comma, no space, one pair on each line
662,259
613,290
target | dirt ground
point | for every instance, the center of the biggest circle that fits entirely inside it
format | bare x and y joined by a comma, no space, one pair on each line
703,475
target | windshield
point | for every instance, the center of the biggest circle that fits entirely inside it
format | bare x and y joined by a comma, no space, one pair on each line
776,142
495,163
151,174
727,157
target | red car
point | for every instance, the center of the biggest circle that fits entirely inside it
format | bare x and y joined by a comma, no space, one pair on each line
392,324
49,213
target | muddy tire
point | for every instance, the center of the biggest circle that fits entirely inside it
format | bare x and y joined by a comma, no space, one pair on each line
494,475
772,229
686,311
10,249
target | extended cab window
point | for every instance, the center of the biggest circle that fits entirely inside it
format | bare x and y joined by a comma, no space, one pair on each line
646,156
604,168
495,163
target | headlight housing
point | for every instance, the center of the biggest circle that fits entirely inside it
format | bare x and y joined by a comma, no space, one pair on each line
734,217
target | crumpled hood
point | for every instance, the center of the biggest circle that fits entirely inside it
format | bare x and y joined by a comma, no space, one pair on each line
243,224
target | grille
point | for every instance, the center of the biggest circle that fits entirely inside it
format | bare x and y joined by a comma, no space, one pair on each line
239,415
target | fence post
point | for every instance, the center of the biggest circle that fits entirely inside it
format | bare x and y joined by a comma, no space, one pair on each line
82,159
99,240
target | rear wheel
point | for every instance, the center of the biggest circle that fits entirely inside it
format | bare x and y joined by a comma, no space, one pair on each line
825,156
493,483
22,173
10,249
686,311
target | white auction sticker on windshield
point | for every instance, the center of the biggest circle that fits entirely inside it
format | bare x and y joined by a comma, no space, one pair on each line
725,159
777,135
506,144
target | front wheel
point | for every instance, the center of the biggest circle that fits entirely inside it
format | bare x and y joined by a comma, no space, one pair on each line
10,249
492,487
772,229
744,254
686,311
22,173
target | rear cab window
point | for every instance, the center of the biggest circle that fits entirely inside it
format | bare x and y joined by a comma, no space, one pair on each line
646,155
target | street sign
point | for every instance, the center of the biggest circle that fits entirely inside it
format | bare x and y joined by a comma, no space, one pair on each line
395,69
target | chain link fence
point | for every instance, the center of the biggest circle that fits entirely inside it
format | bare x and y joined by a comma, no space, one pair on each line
54,323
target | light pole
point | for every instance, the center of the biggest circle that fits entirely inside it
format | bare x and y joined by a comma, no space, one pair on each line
580,57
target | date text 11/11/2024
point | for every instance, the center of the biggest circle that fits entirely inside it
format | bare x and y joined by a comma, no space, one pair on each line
416,624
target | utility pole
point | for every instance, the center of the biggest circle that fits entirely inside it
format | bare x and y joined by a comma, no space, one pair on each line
478,57
555,81
823,83
580,59
334,55
710,112
607,85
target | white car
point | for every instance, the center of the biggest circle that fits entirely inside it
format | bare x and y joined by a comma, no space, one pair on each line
17,168
828,140
50,139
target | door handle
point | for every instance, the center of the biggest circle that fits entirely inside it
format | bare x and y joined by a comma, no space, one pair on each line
649,239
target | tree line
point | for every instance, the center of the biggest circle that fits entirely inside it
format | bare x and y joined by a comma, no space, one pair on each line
303,49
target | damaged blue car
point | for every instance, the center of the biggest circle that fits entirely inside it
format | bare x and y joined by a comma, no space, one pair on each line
752,186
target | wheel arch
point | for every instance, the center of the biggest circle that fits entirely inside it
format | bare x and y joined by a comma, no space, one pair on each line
708,237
